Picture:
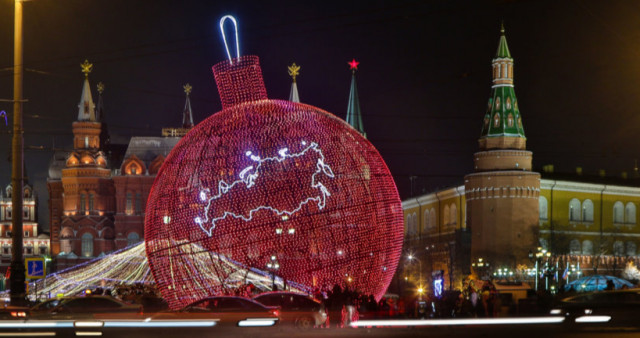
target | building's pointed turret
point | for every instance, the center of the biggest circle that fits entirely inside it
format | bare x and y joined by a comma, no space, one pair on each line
294,70
86,107
354,116
502,126
187,114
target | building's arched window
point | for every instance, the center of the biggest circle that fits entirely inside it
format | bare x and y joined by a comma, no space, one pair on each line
446,215
618,212
574,210
138,203
133,238
425,221
510,120
618,248
83,202
631,248
129,204
87,245
496,120
91,199
587,211
433,220
587,247
542,207
454,214
630,213
414,224
574,247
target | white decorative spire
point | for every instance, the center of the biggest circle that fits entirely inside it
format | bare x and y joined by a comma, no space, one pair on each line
86,107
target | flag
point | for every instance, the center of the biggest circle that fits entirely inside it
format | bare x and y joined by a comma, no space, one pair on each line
565,274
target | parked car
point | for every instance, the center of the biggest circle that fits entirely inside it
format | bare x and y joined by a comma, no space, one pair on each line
295,308
227,310
613,308
88,307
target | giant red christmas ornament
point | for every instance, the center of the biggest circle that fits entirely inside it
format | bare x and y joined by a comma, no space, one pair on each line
275,187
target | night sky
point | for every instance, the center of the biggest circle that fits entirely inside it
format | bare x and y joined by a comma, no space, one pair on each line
424,76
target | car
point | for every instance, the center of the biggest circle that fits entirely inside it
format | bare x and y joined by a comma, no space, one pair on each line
611,308
295,308
87,307
227,310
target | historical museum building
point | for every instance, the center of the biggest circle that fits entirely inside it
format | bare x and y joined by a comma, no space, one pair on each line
96,202
504,213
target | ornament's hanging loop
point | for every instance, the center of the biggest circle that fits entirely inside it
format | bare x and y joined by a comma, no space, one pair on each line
224,37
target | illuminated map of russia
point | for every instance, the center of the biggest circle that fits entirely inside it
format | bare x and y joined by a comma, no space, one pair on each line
290,180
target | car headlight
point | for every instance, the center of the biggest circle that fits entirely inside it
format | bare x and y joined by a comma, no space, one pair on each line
555,311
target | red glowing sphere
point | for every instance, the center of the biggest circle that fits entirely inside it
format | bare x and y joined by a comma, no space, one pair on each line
275,188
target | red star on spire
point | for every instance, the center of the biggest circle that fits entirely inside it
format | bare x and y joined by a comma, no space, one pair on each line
354,64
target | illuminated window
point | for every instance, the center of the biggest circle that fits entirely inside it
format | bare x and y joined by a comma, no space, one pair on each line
133,238
496,120
630,213
129,204
510,120
86,142
497,103
426,219
446,215
433,221
508,103
587,247
618,212
542,207
618,248
574,247
87,245
574,210
631,248
454,214
587,211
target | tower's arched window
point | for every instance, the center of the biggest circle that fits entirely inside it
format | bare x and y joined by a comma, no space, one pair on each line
618,248
496,120
129,204
454,214
133,238
631,248
446,215
87,245
630,213
542,207
587,247
91,200
83,202
510,120
574,210
587,211
618,212
574,247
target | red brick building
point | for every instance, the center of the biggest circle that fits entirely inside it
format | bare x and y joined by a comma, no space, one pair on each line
95,205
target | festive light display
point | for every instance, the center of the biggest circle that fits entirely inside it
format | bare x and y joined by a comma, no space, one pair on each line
130,266
269,180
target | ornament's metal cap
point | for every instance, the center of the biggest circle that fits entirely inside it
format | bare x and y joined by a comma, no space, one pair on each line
240,81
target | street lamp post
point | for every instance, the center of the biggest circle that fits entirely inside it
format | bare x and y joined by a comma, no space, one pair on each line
17,277
411,257
273,266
